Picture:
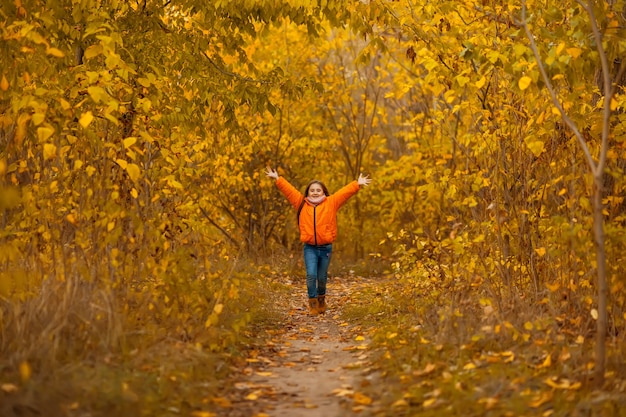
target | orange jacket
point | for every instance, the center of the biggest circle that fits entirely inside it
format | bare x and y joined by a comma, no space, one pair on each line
318,224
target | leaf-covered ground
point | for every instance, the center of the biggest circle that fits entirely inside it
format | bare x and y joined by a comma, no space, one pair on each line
385,347
308,365
431,360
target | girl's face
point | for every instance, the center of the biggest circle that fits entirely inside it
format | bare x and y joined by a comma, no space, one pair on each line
315,190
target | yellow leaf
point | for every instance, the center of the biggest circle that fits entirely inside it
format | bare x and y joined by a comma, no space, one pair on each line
44,132
553,287
359,338
222,402
563,383
541,399
361,399
528,325
122,163
489,402
134,193
133,171
429,402
4,83
9,388
199,413
462,80
541,251
65,105
400,403
49,151
341,392
536,146
129,141
468,366
594,313
218,308
25,371
510,356
480,83
524,82
85,119
428,369
614,104
253,396
110,226
547,362
55,52
92,51
574,52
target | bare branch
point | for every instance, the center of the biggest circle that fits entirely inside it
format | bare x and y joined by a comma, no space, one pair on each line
607,87
569,122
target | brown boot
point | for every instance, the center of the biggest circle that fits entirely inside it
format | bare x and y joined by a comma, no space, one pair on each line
321,303
313,306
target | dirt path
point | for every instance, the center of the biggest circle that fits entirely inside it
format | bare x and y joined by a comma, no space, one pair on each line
314,366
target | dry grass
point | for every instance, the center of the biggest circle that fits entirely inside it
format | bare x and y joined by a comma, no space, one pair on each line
74,347
459,353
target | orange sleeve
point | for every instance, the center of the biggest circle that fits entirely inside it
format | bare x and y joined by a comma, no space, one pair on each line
342,195
293,195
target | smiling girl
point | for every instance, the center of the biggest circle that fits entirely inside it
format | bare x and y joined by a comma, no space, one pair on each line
317,221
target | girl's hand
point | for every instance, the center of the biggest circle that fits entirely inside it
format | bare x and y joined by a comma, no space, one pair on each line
364,180
271,173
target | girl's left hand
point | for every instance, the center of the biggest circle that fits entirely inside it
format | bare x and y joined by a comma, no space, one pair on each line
272,173
364,180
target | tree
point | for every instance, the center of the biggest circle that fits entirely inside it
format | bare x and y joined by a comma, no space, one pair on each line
604,31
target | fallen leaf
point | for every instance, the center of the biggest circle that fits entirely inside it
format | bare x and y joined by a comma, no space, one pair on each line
400,404
429,402
541,399
203,414
362,399
563,383
489,402
343,392
9,388
428,369
222,402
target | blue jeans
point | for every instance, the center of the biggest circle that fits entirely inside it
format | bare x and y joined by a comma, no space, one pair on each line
316,260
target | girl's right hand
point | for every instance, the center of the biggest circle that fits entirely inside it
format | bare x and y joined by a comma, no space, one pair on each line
271,173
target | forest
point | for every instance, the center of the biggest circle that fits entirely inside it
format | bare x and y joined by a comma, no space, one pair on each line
143,251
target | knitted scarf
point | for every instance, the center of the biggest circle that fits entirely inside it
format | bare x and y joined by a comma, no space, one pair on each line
316,201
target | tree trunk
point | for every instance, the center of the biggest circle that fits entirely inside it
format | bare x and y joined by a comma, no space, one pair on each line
598,229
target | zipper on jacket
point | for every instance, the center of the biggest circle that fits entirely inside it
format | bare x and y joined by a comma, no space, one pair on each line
314,225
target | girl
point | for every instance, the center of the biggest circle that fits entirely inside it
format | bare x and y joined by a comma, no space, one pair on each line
317,221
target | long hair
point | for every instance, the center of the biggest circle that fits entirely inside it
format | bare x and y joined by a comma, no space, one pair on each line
306,193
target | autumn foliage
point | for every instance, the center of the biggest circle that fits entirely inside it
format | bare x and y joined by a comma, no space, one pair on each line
136,220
